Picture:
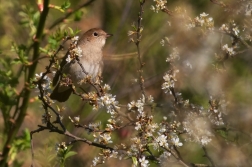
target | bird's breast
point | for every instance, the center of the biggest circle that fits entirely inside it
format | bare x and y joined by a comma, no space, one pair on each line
75,72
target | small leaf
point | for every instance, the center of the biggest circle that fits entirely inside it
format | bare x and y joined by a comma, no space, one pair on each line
65,5
223,133
16,61
77,15
69,154
71,31
27,134
135,162
43,50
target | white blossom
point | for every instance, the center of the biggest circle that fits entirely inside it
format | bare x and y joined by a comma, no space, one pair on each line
77,51
224,27
103,138
174,55
45,82
161,140
96,161
94,126
138,126
150,99
143,162
236,31
75,38
228,50
106,87
68,59
162,42
137,105
160,4
203,14
175,142
108,100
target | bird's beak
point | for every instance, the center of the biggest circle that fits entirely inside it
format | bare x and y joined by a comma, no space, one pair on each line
109,35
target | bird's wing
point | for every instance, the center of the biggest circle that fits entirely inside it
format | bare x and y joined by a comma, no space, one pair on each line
58,74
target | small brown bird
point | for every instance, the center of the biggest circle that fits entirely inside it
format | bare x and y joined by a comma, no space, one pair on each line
90,49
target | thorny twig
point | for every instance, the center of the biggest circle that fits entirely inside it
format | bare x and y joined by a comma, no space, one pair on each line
141,63
41,96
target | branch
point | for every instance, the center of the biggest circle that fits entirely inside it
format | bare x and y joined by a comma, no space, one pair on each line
52,128
45,104
60,20
31,73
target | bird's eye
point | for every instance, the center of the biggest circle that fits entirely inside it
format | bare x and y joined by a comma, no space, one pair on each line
95,34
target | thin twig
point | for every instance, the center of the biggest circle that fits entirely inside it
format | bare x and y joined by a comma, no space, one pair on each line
165,10
178,153
83,69
178,159
53,128
208,157
218,3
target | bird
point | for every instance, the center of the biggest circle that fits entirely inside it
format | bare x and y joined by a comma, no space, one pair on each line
89,49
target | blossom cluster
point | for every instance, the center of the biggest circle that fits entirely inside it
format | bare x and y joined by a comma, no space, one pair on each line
161,136
170,80
203,21
230,28
160,4
230,51
74,50
198,128
46,81
174,55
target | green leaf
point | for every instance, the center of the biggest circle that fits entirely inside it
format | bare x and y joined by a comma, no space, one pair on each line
223,133
134,159
27,135
20,144
16,61
69,154
70,31
43,50
65,5
77,15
